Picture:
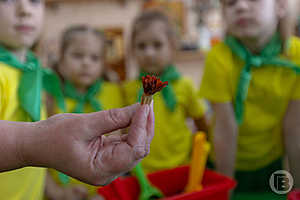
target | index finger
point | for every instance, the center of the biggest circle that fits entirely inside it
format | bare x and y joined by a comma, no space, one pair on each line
107,121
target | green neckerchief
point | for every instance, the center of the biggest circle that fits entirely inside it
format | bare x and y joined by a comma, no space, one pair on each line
170,74
34,79
268,56
82,99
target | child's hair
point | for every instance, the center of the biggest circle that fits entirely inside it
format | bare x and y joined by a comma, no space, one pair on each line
287,24
69,33
149,16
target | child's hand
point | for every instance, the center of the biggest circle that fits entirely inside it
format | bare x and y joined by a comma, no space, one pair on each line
53,191
96,197
75,193
76,144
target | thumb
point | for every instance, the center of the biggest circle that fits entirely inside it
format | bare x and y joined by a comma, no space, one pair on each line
137,135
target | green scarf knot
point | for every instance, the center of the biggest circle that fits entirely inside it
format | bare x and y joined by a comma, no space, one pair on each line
82,99
268,56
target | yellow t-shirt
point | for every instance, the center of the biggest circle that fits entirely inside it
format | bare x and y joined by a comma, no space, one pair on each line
260,136
110,98
172,143
26,183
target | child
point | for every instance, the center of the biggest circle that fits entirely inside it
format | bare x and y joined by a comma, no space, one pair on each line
81,68
21,82
153,46
252,80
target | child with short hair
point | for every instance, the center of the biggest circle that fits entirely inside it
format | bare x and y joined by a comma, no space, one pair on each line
252,80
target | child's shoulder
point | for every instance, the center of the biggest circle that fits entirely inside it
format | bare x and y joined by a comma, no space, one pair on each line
111,86
295,41
8,73
184,85
131,84
294,49
110,90
220,57
110,95
130,89
219,50
7,69
184,81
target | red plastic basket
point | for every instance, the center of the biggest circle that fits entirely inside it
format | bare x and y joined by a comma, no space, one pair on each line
295,195
171,183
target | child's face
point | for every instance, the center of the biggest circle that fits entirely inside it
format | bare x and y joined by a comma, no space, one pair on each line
152,48
252,18
83,60
21,22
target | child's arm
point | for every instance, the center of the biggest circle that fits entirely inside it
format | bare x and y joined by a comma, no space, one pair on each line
225,138
291,127
195,107
53,191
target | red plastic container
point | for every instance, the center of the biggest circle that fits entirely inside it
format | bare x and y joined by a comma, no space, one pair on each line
295,195
171,183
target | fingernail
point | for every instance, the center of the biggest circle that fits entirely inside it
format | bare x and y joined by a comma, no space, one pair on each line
147,110
151,105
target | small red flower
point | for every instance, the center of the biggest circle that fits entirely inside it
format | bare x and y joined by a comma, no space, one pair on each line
152,84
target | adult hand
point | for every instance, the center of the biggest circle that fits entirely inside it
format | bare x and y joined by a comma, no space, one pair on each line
79,146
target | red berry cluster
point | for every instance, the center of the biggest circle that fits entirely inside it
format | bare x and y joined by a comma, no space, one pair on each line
152,84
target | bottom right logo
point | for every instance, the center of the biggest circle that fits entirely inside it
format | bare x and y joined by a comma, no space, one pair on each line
281,182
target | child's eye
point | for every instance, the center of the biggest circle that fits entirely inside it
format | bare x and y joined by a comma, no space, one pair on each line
230,2
7,1
36,1
77,55
95,58
141,46
157,45
31,1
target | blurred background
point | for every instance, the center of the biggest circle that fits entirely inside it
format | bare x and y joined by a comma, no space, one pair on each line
198,25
